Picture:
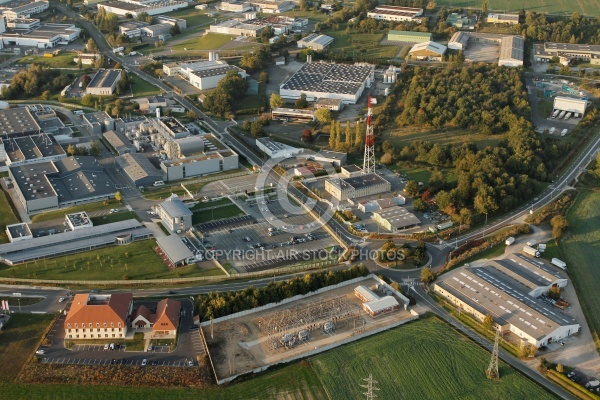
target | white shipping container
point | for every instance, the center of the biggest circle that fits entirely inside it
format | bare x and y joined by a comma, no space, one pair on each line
559,263
509,241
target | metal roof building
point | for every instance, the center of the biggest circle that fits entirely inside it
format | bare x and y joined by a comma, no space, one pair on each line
139,169
119,143
512,19
512,49
396,218
503,289
79,240
428,51
315,41
395,13
32,149
104,82
175,250
18,122
408,36
175,215
459,41
328,80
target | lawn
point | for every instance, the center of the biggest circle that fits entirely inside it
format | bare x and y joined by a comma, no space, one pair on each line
63,60
192,17
210,41
216,214
60,214
142,88
580,249
116,217
583,7
311,15
134,261
404,136
7,216
19,340
361,44
210,204
422,360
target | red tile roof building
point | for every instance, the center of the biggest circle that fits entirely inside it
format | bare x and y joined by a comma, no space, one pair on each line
97,316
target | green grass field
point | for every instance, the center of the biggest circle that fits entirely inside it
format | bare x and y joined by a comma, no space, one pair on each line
422,360
360,44
404,136
136,261
210,41
7,216
142,88
192,17
110,218
60,214
18,341
580,249
216,213
584,7
63,60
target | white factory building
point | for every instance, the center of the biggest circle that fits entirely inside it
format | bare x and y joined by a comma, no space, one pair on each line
137,7
203,74
395,13
328,80
315,42
40,36
508,290
275,149
569,104
512,47
17,10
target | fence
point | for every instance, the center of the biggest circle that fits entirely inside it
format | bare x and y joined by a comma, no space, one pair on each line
135,282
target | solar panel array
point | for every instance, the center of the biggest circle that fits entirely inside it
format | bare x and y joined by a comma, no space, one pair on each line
329,78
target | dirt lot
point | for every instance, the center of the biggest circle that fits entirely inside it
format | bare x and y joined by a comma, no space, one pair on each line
242,344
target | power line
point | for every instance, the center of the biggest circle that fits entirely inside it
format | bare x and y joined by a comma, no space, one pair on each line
370,388
492,370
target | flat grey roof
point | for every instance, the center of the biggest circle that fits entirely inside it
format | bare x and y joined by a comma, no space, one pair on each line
22,7
19,230
78,219
216,71
32,179
18,121
137,166
365,180
512,47
48,246
32,147
174,248
352,168
329,78
270,144
174,207
97,117
126,6
173,124
118,141
398,217
105,78
334,155
322,40
328,102
50,124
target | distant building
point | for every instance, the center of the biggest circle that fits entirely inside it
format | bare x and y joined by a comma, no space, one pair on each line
235,6
350,171
203,74
175,215
87,58
457,21
428,51
335,158
373,304
315,42
330,104
136,8
17,10
148,105
512,50
19,121
99,316
249,28
104,82
43,36
356,187
567,51
395,13
32,149
512,19
459,41
512,47
571,105
156,30
408,37
165,19
293,114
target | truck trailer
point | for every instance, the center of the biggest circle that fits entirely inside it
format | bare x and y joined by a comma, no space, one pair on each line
509,241
531,251
559,263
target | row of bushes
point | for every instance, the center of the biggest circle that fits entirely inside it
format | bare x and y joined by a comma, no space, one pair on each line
569,385
559,207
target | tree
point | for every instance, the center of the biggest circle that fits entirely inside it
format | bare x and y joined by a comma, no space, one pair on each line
484,7
419,205
95,149
427,276
358,136
79,63
554,293
276,101
386,159
175,30
323,115
118,197
559,225
123,84
332,135
488,321
301,102
85,80
348,136
307,136
192,115
412,188
560,368
263,77
598,165
91,45
71,150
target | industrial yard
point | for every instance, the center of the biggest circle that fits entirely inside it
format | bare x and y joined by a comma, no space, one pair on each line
300,328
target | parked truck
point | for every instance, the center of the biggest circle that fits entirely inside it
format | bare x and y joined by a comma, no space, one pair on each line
531,242
118,49
509,241
568,116
559,263
531,251
562,114
555,114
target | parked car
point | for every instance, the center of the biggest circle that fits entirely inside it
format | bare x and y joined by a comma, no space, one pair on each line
113,210
144,362
150,347
106,346
61,299
40,351
190,363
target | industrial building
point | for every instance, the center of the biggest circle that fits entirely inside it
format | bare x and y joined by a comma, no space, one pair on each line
458,21
408,37
118,142
75,241
14,10
18,122
569,104
335,158
40,36
104,82
395,13
356,187
78,220
87,58
175,215
148,105
459,41
330,104
68,181
156,30
272,7
18,232
566,52
99,316
315,42
427,51
395,218
138,169
165,19
275,149
512,48
175,250
328,80
132,29
235,6
203,74
512,19
249,28
373,304
31,149
100,121
135,8
293,114
350,171
509,291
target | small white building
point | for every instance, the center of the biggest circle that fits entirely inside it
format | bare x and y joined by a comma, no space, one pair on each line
104,82
395,13
569,104
275,149
175,215
315,42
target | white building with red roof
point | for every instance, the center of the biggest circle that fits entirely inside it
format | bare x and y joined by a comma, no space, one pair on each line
161,324
99,316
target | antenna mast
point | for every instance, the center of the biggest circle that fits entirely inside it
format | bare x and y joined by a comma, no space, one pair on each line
369,160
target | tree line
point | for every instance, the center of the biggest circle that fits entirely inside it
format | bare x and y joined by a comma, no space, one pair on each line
230,90
575,29
215,305
36,81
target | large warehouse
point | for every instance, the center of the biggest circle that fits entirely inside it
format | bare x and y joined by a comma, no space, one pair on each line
68,181
570,105
18,122
395,218
567,51
176,252
203,74
315,42
408,37
104,82
428,51
42,36
32,149
328,80
507,290
136,8
355,187
138,169
395,13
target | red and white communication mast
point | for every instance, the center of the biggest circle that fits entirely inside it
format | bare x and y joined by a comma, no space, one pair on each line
369,160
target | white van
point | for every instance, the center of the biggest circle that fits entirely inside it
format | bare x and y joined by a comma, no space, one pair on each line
159,183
